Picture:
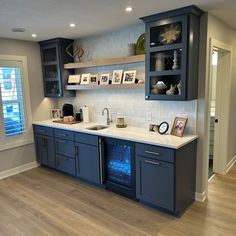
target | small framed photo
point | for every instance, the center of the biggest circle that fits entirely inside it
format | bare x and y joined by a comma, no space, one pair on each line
85,78
104,79
179,126
74,79
94,79
117,76
129,77
56,114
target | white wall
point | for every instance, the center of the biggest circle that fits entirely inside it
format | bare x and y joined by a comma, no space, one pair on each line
127,102
40,106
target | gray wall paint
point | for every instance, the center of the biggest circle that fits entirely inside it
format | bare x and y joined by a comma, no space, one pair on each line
40,106
212,27
222,32
200,181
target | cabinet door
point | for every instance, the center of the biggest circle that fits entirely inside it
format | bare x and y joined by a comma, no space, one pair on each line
87,162
45,150
65,164
155,182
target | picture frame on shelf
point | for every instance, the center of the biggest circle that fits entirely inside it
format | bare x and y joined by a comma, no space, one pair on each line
85,78
56,114
117,76
94,79
74,79
104,79
129,77
179,126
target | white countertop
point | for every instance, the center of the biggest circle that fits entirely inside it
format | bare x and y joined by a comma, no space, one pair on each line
130,133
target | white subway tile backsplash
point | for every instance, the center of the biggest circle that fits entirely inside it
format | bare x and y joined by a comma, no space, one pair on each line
129,103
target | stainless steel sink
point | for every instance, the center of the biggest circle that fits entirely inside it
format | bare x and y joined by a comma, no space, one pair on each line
97,127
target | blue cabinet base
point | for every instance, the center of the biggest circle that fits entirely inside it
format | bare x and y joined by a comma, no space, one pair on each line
164,178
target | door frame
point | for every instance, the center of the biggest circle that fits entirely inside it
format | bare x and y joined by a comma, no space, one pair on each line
223,100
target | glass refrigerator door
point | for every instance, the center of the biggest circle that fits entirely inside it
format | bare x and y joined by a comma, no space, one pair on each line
118,163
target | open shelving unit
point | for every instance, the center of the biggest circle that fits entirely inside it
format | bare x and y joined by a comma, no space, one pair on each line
109,86
106,62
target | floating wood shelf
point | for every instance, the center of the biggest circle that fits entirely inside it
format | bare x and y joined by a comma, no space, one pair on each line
109,86
106,62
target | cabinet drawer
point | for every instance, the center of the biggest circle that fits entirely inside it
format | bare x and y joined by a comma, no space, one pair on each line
155,152
64,134
38,129
86,139
65,164
65,147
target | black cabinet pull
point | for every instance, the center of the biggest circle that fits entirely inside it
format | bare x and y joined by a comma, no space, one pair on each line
76,150
153,162
42,130
153,153
63,158
61,141
101,160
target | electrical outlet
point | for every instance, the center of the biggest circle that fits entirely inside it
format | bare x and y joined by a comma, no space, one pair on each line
149,116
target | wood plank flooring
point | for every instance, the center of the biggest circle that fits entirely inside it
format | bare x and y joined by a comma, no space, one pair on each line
44,202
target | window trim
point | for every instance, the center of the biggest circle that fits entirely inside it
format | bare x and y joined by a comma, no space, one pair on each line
27,137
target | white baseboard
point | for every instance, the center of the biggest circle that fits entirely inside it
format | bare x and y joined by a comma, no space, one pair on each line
200,197
18,169
230,164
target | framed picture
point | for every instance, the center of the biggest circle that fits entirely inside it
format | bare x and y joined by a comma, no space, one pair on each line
56,114
94,79
117,76
179,126
85,78
129,77
104,79
74,79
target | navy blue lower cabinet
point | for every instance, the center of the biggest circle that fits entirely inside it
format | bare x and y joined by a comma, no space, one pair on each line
165,177
155,182
45,152
65,164
87,162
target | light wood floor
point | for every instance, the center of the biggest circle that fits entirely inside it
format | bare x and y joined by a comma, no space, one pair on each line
44,202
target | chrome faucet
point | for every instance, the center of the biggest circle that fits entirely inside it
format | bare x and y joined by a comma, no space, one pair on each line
109,120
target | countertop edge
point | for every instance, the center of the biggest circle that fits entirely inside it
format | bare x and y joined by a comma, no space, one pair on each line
50,124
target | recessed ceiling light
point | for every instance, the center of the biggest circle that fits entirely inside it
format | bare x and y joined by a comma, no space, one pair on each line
72,25
18,30
34,35
129,9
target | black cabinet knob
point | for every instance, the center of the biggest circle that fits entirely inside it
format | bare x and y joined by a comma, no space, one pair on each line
216,120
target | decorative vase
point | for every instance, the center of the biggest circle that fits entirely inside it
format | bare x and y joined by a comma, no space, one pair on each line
171,91
175,61
179,88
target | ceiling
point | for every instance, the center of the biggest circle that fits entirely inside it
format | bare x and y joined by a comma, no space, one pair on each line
51,18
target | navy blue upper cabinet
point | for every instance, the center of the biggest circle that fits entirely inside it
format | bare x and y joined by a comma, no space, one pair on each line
54,56
172,48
